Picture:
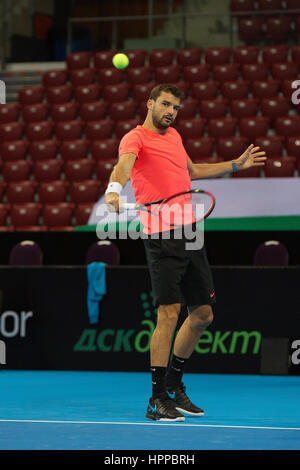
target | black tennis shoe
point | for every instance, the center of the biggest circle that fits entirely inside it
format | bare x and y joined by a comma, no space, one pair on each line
162,408
182,402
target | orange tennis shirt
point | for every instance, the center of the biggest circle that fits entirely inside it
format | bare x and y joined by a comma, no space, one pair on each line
160,170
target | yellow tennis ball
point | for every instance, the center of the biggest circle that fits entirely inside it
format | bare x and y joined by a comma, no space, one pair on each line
120,61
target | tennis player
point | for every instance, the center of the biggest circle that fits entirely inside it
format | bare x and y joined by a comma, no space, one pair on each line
152,155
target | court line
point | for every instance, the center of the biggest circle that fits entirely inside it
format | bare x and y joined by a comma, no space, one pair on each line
146,424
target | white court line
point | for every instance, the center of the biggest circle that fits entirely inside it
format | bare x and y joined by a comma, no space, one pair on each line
146,424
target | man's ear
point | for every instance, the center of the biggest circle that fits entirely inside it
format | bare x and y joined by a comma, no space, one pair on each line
149,104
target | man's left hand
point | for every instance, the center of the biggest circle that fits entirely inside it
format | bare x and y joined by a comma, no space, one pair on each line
251,157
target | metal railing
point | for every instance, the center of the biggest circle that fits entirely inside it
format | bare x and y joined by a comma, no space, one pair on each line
182,17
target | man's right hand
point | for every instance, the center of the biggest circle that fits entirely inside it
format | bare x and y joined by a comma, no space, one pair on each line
113,202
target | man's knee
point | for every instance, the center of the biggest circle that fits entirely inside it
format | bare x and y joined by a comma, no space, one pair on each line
201,316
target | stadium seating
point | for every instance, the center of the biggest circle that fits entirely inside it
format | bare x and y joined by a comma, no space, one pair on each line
13,150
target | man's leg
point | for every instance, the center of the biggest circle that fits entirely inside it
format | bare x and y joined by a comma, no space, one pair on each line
198,320
160,347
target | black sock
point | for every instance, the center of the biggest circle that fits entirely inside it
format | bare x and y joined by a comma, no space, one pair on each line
175,371
158,380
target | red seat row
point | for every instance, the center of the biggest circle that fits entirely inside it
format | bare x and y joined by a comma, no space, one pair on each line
239,6
32,216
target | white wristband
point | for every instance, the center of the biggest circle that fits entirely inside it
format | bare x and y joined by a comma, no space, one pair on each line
114,188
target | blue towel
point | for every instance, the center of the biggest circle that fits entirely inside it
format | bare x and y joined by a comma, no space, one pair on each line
96,275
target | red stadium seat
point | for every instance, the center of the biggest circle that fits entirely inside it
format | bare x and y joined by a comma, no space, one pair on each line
102,129
55,77
246,54
105,149
266,5
225,72
288,87
85,191
210,109
123,111
189,56
35,112
253,72
272,145
83,212
137,58
293,147
39,130
278,29
254,127
288,126
31,94
196,73
64,112
103,59
13,150
87,93
116,93
225,127
253,172
110,76
274,107
188,108
191,128
52,191
58,214
217,55
74,149
4,211
250,30
292,4
205,90
135,75
11,131
104,169
274,54
265,88
295,54
122,127
200,148
25,214
31,228
284,71
93,111
297,26
18,170
167,74
141,91
47,170
43,149
246,107
21,191
235,90
79,170
280,167
143,110
239,6
2,190
9,112
69,130
229,148
80,77
161,57
59,94
78,60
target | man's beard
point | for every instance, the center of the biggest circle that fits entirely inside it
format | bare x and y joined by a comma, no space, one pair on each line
161,123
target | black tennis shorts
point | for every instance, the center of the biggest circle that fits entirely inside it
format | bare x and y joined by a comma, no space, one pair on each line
178,275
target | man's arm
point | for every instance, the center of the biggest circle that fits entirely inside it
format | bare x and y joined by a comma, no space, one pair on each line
120,174
251,157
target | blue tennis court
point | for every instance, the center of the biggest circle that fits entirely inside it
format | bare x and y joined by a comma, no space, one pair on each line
50,410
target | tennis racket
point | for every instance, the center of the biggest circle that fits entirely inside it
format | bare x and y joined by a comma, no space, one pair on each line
182,208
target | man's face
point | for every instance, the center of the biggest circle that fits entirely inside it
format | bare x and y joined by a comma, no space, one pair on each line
164,110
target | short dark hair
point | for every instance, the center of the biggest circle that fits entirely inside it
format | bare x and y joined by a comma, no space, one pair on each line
168,88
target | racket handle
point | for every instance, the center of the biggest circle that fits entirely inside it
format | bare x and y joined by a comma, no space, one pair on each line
129,205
